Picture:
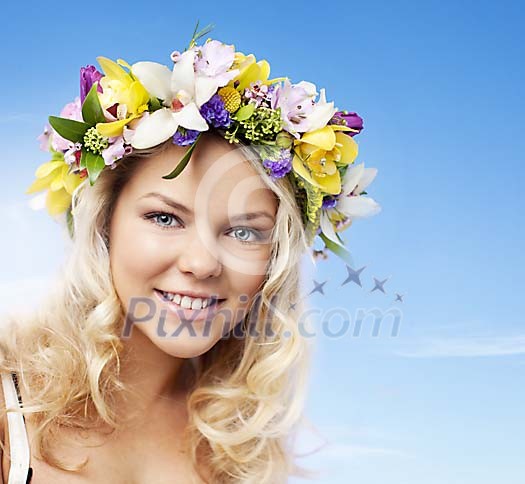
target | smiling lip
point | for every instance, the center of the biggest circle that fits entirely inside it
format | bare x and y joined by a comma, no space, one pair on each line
194,294
190,314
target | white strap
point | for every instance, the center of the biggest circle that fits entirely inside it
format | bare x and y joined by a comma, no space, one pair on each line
18,441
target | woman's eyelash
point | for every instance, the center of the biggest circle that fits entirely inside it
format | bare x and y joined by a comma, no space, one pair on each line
258,235
153,216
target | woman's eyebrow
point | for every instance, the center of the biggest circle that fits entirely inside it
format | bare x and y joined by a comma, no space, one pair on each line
168,201
186,210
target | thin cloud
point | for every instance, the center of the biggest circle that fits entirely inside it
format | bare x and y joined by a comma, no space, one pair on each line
328,441
466,347
23,295
11,117
19,214
356,451
14,210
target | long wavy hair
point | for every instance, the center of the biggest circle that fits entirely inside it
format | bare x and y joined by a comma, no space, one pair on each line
246,401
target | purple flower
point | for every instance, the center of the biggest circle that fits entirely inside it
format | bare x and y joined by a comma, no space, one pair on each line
215,113
329,201
280,167
184,137
88,76
214,60
259,93
352,120
72,110
44,138
297,102
115,151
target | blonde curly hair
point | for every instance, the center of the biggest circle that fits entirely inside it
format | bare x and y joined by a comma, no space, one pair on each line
246,403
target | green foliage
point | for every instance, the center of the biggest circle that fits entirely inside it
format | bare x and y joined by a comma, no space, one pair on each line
264,124
94,141
314,197
69,128
197,35
337,249
182,164
154,104
244,112
94,164
92,112
70,223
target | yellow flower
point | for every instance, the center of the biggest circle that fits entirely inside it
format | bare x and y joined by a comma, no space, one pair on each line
319,153
123,88
251,71
230,97
54,176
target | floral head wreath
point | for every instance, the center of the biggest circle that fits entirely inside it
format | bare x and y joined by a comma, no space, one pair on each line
211,86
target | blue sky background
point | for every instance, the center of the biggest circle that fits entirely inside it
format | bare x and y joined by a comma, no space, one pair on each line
440,87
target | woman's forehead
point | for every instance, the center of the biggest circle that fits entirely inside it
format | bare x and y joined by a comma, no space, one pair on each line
216,170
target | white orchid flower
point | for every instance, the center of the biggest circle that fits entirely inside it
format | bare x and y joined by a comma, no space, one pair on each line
321,113
350,203
299,110
182,91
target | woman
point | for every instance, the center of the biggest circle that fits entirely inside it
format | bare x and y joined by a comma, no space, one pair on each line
169,352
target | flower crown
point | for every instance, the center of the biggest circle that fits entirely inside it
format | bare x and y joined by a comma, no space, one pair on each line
211,86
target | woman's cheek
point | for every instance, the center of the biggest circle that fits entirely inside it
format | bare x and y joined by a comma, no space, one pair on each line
245,284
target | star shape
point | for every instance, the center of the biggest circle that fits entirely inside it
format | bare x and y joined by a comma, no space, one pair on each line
318,287
379,285
353,276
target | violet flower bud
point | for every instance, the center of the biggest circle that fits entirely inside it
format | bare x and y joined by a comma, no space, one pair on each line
352,120
88,76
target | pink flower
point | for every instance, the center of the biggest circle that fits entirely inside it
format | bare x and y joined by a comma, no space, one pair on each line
214,60
114,151
300,112
72,110
44,138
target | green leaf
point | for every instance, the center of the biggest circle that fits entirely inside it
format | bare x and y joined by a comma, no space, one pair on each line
182,164
244,112
57,156
92,112
83,155
314,202
70,223
337,250
69,128
197,35
154,104
94,164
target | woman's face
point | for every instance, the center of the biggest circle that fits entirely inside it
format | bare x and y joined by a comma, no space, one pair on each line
206,232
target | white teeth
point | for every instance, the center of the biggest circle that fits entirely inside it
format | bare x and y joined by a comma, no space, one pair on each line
196,303
187,302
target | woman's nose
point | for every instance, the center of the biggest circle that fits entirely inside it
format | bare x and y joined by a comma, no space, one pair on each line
199,254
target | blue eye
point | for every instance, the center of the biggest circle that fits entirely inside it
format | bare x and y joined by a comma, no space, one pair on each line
159,218
163,219
247,231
